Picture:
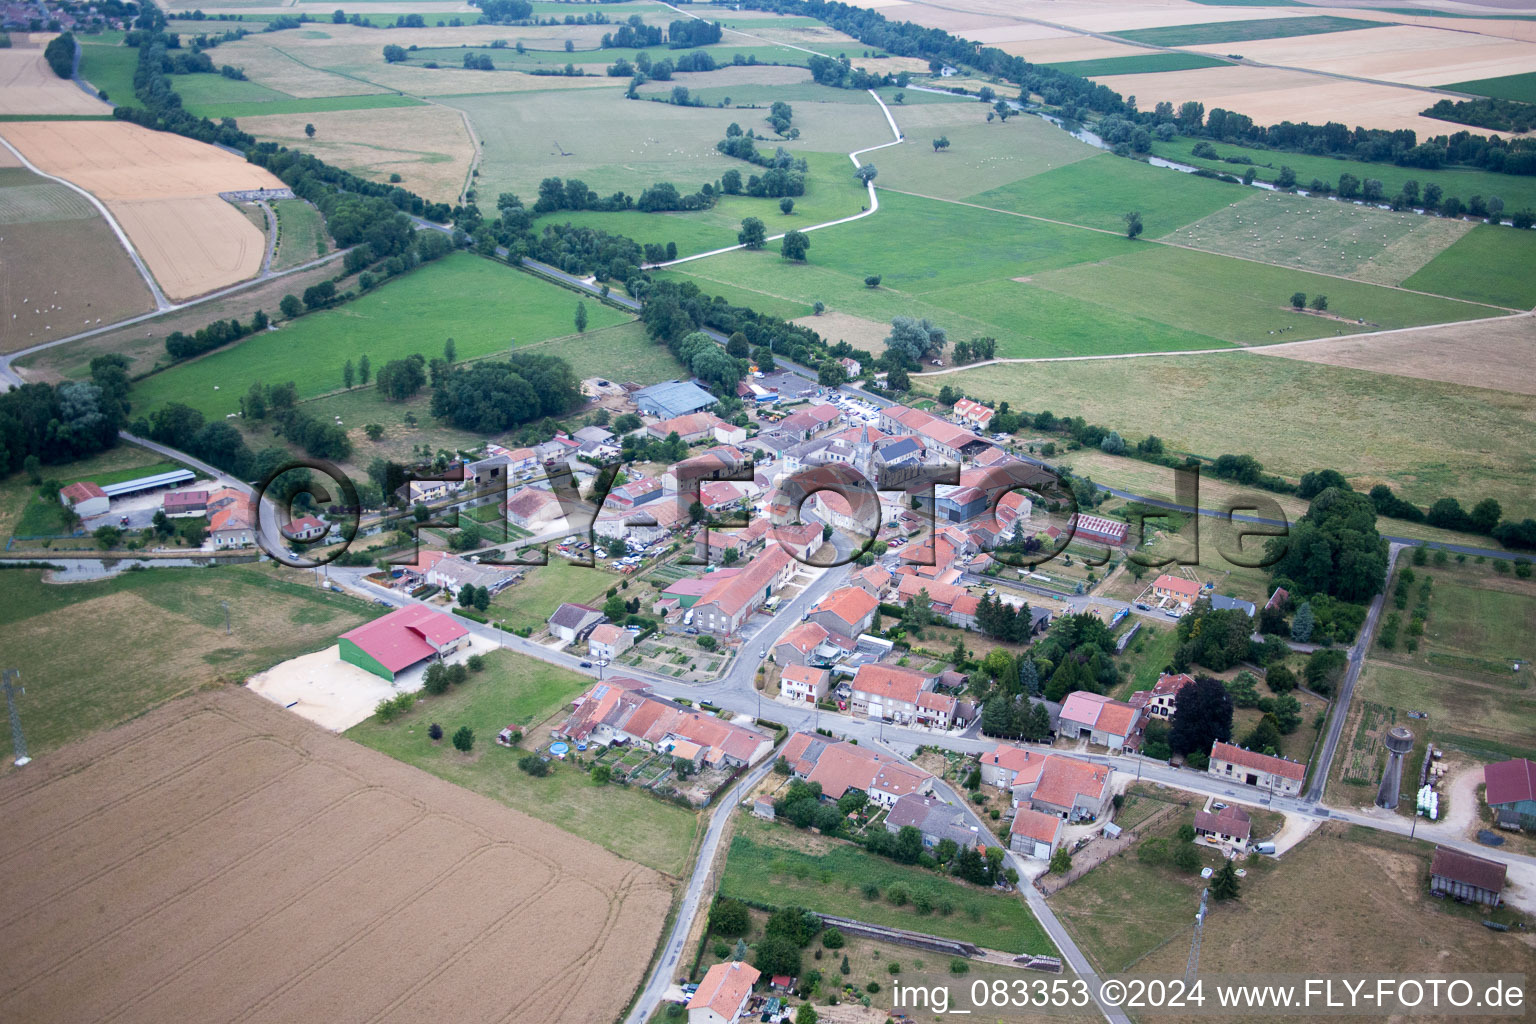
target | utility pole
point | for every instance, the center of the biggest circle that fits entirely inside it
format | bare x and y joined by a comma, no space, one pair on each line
226,617
1193,964
7,681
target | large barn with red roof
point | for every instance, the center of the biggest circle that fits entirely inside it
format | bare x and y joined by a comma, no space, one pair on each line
393,643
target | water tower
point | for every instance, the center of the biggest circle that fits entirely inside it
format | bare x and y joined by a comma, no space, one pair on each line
1399,740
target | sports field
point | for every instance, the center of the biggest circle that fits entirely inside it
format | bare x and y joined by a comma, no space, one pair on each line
484,306
1136,65
1294,417
1361,242
1521,88
1242,31
519,691
222,857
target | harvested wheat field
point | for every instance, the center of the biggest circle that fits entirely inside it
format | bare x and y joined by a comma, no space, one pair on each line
61,277
29,86
1272,95
429,147
219,859
1409,54
173,237
855,330
1498,354
118,160
1072,47
163,189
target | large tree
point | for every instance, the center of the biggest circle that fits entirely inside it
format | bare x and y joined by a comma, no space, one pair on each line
1334,549
753,234
912,338
1202,714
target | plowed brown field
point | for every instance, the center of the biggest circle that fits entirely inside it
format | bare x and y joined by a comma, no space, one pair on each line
222,860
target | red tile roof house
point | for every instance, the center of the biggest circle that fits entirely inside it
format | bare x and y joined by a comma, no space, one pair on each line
1511,792
1075,790
731,602
799,684
1034,834
846,611
1175,589
936,710
1007,766
1108,723
1158,702
231,521
1236,764
839,766
1465,877
884,691
811,422
624,711
84,499
1228,827
305,528
393,643
722,996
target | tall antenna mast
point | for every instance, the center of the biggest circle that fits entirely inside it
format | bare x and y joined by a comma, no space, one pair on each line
8,679
1193,964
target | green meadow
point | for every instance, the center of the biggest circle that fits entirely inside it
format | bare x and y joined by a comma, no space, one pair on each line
484,306
1243,31
1487,264
1521,88
1141,63
110,67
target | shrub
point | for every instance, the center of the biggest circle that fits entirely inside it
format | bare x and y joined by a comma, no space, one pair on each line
832,938
893,967
435,731
958,966
533,765
464,739
476,663
872,988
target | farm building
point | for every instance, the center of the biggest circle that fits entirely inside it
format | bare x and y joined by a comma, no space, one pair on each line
1229,826
1109,723
84,499
185,503
153,482
673,398
389,645
1465,877
1511,792
696,426
572,622
1097,528
731,602
722,996
1071,789
1278,774
1034,834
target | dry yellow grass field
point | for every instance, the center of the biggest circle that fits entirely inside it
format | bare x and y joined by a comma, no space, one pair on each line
221,859
29,86
1409,54
1272,95
1483,354
857,331
118,160
192,245
429,146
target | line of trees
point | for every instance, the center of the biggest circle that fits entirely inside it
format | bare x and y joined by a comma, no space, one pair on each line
60,54
47,424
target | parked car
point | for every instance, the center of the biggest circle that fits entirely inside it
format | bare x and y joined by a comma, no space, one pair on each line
586,664
692,631
1143,607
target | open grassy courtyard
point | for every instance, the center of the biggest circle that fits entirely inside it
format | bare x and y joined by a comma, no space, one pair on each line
485,307
520,691
781,866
